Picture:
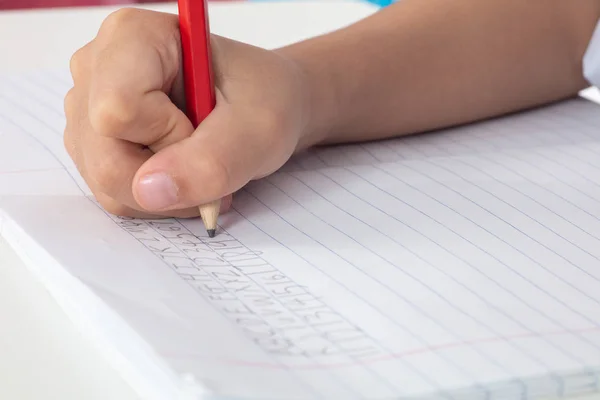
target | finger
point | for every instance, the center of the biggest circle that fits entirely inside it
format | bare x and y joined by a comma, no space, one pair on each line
76,113
151,119
136,64
71,126
220,157
79,64
76,126
75,104
116,208
226,204
141,36
110,166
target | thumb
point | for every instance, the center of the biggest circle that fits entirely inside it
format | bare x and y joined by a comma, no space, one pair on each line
230,148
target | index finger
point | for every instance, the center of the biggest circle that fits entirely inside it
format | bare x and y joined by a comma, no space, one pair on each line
134,74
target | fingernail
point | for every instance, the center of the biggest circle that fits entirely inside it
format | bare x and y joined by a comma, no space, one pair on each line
157,191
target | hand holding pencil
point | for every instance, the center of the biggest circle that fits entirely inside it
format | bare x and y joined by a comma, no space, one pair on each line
136,147
144,152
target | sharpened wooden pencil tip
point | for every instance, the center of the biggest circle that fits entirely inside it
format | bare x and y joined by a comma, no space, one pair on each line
210,214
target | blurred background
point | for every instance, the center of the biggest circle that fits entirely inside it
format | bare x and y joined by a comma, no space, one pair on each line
24,4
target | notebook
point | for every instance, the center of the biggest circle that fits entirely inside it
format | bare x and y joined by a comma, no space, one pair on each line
461,264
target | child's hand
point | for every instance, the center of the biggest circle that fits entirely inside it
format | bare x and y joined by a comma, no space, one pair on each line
137,150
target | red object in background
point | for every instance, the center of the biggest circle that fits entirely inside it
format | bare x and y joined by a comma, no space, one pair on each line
22,4
197,64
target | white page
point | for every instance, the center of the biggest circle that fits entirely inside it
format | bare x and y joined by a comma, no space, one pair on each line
452,265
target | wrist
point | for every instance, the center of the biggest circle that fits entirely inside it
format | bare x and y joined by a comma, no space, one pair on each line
317,93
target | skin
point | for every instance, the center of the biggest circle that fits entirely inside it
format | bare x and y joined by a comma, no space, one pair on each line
412,67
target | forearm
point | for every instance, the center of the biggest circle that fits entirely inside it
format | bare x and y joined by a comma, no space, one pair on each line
425,64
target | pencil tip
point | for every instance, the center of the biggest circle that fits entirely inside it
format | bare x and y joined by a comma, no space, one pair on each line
211,232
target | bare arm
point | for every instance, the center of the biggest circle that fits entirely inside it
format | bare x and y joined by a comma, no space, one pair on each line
415,66
424,64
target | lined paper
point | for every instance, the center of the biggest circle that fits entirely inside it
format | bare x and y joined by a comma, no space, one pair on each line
459,265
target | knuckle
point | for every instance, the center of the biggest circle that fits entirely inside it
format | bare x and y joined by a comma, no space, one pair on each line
110,114
115,20
69,103
71,124
79,62
75,64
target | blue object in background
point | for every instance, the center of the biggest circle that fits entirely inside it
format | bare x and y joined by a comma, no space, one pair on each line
381,3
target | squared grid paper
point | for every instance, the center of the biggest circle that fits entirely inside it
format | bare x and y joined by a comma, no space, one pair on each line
462,265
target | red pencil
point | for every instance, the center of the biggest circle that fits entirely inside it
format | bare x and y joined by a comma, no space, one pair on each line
197,60
198,77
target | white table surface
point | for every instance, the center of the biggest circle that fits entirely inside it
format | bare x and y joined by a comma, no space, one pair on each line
41,355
